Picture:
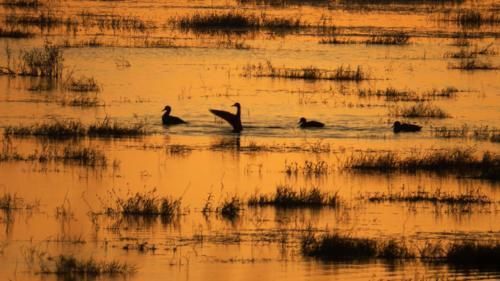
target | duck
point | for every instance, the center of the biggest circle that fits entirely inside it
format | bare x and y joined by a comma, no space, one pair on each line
304,124
405,127
234,119
168,119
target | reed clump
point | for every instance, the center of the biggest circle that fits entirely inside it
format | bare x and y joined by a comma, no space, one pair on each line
69,265
230,208
41,62
393,38
309,168
471,64
287,197
60,129
484,133
145,204
474,18
469,196
26,4
341,73
15,33
460,161
234,21
419,110
82,101
474,253
82,84
335,246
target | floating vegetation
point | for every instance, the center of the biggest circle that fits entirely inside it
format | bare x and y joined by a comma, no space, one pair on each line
72,129
69,265
82,84
341,73
469,196
310,168
145,204
461,161
471,64
394,38
15,33
235,21
286,197
419,110
477,133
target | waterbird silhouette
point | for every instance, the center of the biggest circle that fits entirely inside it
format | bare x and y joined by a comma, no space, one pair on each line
233,119
310,124
405,127
168,119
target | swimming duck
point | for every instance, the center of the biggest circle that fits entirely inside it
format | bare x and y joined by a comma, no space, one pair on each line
233,119
405,127
168,119
310,124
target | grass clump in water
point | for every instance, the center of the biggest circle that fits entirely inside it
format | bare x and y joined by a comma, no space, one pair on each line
338,247
146,204
108,128
474,18
396,38
471,64
473,253
27,4
38,62
483,133
15,33
286,197
341,73
470,196
460,161
234,21
54,129
419,110
83,100
82,84
69,265
230,208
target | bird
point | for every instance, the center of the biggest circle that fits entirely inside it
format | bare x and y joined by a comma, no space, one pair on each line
168,119
405,127
233,119
310,124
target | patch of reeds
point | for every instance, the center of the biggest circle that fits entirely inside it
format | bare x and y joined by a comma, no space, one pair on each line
42,20
235,21
84,156
10,201
341,73
471,64
338,247
82,101
460,161
82,84
230,208
22,3
474,253
469,196
392,38
309,168
145,204
15,33
114,22
419,110
394,95
336,40
473,18
46,61
477,133
69,265
73,129
287,197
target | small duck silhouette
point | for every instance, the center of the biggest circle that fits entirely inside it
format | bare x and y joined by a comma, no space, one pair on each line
168,119
233,119
405,127
310,124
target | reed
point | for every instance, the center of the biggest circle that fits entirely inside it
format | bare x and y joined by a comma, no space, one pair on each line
419,110
287,197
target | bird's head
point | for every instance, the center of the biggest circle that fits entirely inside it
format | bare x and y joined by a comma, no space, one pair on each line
237,105
396,124
167,108
302,120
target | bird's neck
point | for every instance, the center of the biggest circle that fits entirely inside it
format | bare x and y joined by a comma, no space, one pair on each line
238,112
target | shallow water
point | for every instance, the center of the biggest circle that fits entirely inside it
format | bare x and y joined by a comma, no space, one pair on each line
203,157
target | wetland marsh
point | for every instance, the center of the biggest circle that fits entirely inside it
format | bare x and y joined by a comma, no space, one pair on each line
94,187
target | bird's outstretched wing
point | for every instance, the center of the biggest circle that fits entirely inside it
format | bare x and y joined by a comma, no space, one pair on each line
228,116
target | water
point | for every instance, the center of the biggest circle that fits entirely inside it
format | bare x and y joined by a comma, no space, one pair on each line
263,243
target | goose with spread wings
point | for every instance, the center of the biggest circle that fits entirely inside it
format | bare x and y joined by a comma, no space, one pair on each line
168,119
233,119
